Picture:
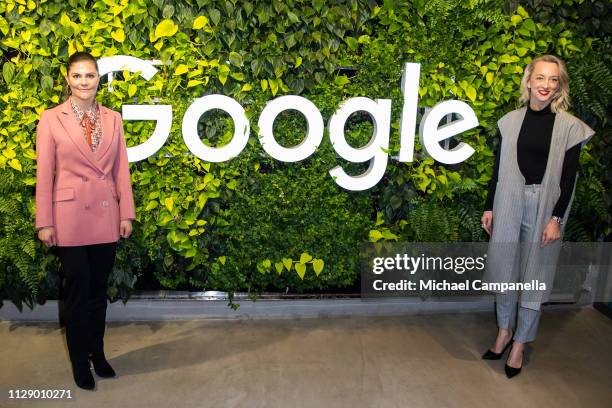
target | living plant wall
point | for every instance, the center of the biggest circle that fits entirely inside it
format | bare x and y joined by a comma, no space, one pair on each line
254,223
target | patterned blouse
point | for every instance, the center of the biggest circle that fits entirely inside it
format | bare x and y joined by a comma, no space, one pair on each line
93,117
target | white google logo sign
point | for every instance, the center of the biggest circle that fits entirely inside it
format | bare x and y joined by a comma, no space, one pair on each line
430,133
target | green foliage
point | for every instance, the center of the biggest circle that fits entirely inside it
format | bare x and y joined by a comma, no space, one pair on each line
23,266
280,211
245,225
593,16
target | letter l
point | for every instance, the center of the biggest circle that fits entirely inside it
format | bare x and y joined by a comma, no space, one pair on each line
410,90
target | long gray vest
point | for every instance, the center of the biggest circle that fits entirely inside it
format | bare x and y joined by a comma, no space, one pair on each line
538,263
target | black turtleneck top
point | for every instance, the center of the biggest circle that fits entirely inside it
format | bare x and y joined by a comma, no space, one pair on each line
532,149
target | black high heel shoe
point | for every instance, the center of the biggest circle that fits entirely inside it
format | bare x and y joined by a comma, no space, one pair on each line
82,376
491,355
101,366
511,371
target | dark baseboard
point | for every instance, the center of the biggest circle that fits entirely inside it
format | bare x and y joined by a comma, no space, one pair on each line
603,308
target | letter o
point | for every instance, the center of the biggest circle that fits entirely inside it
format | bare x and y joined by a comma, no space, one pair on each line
314,133
190,128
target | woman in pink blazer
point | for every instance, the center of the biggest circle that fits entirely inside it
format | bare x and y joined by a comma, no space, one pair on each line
84,204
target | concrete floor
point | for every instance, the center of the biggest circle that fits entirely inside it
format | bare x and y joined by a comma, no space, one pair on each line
412,361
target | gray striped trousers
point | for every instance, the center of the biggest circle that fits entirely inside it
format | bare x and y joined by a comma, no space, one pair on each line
506,305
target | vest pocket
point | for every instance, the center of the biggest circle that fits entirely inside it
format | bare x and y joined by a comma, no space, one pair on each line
63,194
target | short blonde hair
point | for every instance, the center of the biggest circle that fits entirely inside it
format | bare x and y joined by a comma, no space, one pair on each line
561,98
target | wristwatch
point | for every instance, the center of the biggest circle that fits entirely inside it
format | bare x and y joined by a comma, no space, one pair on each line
559,220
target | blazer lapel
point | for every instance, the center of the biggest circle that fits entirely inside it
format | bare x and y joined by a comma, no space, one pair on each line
75,132
108,133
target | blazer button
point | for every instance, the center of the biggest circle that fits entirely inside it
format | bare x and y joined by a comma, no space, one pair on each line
102,177
84,179
104,203
87,206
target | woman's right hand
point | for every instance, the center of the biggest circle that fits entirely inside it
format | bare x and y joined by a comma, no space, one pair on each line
487,221
47,236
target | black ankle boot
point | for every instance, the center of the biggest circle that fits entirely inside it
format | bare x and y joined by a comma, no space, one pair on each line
82,376
101,366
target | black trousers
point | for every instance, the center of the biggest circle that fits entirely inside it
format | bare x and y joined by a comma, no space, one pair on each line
85,271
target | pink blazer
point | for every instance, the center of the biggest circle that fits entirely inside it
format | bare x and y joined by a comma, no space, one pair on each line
83,194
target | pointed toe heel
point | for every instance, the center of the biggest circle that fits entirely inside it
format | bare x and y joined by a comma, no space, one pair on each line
511,371
82,377
101,366
491,355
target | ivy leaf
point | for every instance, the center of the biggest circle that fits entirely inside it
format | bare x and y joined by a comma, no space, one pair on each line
352,43
317,265
14,163
305,257
168,11
379,218
118,35
46,82
65,20
30,154
279,267
235,59
375,235
288,262
516,19
215,16
238,76
389,235
9,153
471,93
181,69
293,17
273,86
264,84
132,89
44,27
166,28
318,4
521,51
341,80
222,260
300,268
522,12
267,263
200,22
169,203
151,205
164,219
8,71
529,24
194,82
290,40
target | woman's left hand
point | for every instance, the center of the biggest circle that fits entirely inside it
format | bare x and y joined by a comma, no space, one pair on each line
551,233
125,228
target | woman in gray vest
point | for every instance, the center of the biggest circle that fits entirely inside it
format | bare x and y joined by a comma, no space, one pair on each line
529,200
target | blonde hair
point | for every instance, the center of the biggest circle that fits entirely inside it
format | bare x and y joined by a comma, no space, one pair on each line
561,98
